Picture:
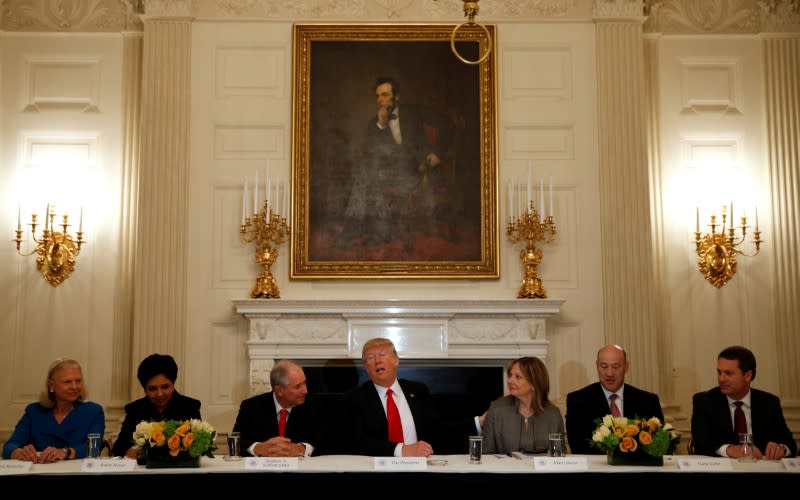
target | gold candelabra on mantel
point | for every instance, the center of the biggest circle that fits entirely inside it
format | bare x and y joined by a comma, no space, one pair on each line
716,251
532,228
266,229
56,251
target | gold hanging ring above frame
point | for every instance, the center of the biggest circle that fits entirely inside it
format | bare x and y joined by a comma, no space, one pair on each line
488,45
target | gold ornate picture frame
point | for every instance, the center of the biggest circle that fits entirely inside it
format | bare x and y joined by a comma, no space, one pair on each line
415,198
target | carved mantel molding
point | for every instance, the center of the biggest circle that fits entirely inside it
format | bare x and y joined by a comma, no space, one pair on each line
434,332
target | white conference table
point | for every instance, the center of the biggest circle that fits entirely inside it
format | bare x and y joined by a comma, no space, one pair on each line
331,474
491,464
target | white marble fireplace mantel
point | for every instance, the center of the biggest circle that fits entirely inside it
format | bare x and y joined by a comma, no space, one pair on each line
441,332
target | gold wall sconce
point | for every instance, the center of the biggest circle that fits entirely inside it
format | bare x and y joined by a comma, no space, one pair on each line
471,9
56,251
717,249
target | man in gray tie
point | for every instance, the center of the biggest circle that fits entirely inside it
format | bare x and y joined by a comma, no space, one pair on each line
594,401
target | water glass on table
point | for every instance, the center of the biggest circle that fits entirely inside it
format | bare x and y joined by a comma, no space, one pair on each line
234,446
555,444
93,445
475,449
746,442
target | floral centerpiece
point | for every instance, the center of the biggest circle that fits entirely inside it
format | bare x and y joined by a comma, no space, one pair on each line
637,441
175,443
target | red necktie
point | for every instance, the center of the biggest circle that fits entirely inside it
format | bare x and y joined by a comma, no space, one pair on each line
614,408
739,422
282,422
393,416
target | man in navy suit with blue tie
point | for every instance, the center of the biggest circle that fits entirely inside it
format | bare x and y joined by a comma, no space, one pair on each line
586,405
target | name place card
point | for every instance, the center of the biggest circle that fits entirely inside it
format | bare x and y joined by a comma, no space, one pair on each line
401,463
791,464
10,467
271,463
703,464
108,465
560,463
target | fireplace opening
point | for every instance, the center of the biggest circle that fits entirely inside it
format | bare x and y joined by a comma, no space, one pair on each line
459,388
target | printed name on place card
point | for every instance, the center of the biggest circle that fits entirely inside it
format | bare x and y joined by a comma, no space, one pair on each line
560,463
704,464
401,463
108,464
271,463
9,467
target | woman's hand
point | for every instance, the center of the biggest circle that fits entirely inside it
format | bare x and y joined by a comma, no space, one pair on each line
26,453
51,454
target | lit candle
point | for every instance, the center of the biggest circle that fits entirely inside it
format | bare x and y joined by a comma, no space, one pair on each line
255,195
244,201
510,201
550,213
80,224
541,198
530,185
19,217
697,219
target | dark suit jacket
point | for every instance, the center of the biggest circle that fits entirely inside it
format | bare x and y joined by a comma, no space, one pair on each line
423,132
257,421
712,425
367,428
180,407
590,403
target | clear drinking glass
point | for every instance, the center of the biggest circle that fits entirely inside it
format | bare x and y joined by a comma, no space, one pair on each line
555,444
93,443
746,442
234,446
475,449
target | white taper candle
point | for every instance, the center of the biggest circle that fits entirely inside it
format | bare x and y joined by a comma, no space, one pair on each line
550,212
530,186
255,195
244,201
510,201
541,198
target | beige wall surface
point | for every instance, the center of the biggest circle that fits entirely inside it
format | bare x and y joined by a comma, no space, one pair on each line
62,83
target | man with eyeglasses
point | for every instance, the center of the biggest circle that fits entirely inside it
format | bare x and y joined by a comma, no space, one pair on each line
387,416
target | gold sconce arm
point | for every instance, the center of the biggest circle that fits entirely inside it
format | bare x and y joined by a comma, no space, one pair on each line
471,9
56,251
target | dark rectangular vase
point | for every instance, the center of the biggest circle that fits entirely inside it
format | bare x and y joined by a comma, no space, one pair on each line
620,458
169,462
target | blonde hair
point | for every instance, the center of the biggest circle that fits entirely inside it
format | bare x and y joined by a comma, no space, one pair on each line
377,342
48,398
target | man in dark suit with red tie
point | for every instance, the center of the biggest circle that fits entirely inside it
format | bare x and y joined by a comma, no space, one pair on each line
714,431
366,413
586,405
278,423
371,417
